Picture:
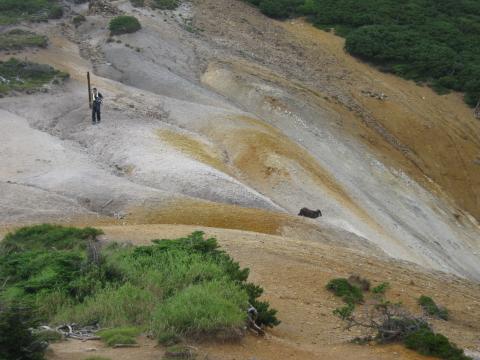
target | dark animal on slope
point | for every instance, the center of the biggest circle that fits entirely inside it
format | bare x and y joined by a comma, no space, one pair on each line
310,213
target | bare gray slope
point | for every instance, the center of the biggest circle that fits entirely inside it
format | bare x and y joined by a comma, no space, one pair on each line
190,117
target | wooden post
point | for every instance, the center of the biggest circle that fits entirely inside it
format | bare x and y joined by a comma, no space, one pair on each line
89,91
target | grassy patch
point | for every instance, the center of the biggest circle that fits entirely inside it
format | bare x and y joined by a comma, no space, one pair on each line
381,289
214,308
431,308
124,24
179,352
13,11
118,336
173,288
349,293
19,75
17,39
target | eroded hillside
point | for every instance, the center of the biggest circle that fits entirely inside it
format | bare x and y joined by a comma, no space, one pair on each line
217,117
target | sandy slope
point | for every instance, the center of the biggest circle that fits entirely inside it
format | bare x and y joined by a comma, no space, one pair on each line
242,113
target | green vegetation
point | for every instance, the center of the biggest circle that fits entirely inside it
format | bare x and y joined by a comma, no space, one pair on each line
97,358
13,11
431,308
181,352
349,293
16,340
17,39
117,336
381,288
166,4
426,342
432,41
387,322
78,20
173,288
16,75
48,336
158,4
138,3
124,24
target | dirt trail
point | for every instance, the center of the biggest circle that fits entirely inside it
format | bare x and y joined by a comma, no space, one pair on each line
294,272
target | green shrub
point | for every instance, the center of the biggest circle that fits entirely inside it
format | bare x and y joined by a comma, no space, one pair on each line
381,288
431,308
46,236
213,308
55,12
16,339
344,312
348,292
78,20
124,24
166,4
426,342
17,39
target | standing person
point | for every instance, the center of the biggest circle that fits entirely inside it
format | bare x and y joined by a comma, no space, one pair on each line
96,103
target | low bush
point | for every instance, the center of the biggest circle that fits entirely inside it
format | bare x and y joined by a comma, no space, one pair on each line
47,236
19,75
17,39
124,24
358,281
431,308
55,12
426,342
166,4
78,20
381,288
349,293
